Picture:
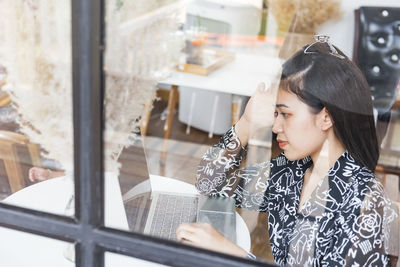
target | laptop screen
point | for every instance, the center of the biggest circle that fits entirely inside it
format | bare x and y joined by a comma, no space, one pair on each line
127,196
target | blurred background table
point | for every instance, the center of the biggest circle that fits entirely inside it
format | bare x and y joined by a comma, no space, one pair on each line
233,80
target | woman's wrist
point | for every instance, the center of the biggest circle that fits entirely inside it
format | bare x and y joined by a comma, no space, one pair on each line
242,131
236,251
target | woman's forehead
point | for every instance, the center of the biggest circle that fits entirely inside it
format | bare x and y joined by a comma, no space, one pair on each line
285,97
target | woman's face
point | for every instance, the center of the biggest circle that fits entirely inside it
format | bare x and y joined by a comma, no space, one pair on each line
299,131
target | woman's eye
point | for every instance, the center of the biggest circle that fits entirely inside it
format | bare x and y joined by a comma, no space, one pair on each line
284,114
276,113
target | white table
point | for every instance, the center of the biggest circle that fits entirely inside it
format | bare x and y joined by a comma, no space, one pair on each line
54,195
21,249
239,78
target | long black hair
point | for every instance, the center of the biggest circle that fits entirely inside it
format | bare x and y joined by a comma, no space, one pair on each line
322,80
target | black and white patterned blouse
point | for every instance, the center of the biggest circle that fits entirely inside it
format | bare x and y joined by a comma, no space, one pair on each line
345,222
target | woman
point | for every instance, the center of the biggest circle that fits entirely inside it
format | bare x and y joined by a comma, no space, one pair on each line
325,206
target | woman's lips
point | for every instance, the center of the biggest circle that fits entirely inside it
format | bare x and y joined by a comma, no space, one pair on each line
282,143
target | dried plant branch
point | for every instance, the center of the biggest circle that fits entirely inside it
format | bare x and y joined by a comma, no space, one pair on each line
38,61
306,15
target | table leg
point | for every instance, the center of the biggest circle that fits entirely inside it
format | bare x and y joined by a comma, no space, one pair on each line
192,101
237,102
173,95
34,152
12,167
146,118
213,115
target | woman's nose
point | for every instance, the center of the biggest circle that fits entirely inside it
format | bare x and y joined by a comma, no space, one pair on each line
277,126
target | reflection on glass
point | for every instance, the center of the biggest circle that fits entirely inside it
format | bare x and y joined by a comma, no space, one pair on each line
36,132
113,259
37,250
377,57
141,47
212,61
296,196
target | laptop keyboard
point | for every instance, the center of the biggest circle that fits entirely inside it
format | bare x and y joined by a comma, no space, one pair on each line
170,212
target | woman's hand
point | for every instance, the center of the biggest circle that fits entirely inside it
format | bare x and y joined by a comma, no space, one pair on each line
37,174
205,236
259,113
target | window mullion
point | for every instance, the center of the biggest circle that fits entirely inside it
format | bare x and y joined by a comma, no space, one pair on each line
37,222
87,113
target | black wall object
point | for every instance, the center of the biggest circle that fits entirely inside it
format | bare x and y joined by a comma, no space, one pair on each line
377,52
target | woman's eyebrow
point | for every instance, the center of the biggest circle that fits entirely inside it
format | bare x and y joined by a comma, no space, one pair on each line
281,106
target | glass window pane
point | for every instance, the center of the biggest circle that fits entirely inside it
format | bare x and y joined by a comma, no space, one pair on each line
113,259
289,162
23,249
36,131
177,75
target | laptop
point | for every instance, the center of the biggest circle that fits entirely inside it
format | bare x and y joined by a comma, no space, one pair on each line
159,213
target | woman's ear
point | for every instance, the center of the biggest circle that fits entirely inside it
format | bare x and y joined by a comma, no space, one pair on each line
326,120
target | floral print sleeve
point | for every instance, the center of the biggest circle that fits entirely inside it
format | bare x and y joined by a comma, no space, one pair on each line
219,174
